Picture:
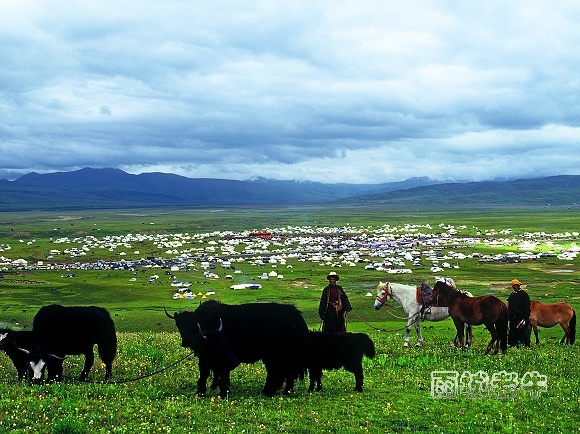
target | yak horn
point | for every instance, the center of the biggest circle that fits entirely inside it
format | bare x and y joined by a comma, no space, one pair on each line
201,331
221,325
167,313
56,357
24,350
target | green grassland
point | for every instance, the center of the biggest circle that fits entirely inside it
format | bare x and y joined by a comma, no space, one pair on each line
397,396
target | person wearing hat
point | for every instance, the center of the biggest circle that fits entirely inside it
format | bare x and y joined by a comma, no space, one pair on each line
333,306
519,316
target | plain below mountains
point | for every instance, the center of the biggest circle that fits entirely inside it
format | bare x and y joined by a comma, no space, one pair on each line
116,189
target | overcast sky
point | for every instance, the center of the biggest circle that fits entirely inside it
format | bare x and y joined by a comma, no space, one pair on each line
330,91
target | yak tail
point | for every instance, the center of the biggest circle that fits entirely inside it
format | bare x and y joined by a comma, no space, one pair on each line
107,345
572,327
367,345
502,327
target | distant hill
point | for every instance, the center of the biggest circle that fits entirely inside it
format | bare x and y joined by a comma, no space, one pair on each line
115,189
561,190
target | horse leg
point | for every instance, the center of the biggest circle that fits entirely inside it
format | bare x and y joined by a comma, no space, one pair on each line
408,331
459,329
490,345
455,341
535,327
419,335
468,330
468,334
566,337
496,344
494,338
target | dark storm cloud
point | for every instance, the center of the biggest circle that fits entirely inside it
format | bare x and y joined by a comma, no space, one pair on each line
381,90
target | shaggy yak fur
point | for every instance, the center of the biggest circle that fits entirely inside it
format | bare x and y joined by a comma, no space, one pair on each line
222,336
338,350
75,330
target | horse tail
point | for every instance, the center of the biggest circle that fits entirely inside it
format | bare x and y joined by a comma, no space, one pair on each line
503,327
572,327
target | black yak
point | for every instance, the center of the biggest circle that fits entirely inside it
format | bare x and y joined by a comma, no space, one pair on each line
338,350
222,336
75,330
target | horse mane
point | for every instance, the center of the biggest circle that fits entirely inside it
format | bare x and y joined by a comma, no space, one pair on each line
454,293
450,293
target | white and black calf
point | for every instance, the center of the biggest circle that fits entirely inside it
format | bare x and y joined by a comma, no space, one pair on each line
26,352
18,345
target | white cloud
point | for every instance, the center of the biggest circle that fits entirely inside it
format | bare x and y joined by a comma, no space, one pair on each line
378,90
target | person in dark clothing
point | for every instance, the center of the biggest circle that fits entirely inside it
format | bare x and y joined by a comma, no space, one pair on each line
333,306
519,316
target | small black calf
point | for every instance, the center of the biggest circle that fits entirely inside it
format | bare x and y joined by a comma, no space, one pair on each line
338,350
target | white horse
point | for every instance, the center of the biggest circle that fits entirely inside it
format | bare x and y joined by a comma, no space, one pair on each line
406,296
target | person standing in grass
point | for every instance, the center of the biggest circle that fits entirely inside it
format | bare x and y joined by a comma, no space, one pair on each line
519,316
333,306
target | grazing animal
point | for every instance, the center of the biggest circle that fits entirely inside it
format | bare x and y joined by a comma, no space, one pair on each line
75,330
22,348
338,350
406,296
223,336
487,309
548,315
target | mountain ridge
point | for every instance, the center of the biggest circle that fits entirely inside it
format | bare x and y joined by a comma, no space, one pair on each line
111,188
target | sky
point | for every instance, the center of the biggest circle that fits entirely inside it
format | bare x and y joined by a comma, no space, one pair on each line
326,91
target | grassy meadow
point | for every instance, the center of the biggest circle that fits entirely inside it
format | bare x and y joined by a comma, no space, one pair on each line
398,396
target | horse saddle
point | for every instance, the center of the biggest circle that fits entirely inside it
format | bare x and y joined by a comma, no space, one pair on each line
419,295
424,293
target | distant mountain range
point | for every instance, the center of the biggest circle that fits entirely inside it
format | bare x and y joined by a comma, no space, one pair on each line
113,188
562,190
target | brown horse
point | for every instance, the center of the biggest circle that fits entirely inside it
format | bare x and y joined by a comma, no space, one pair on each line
548,315
487,309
